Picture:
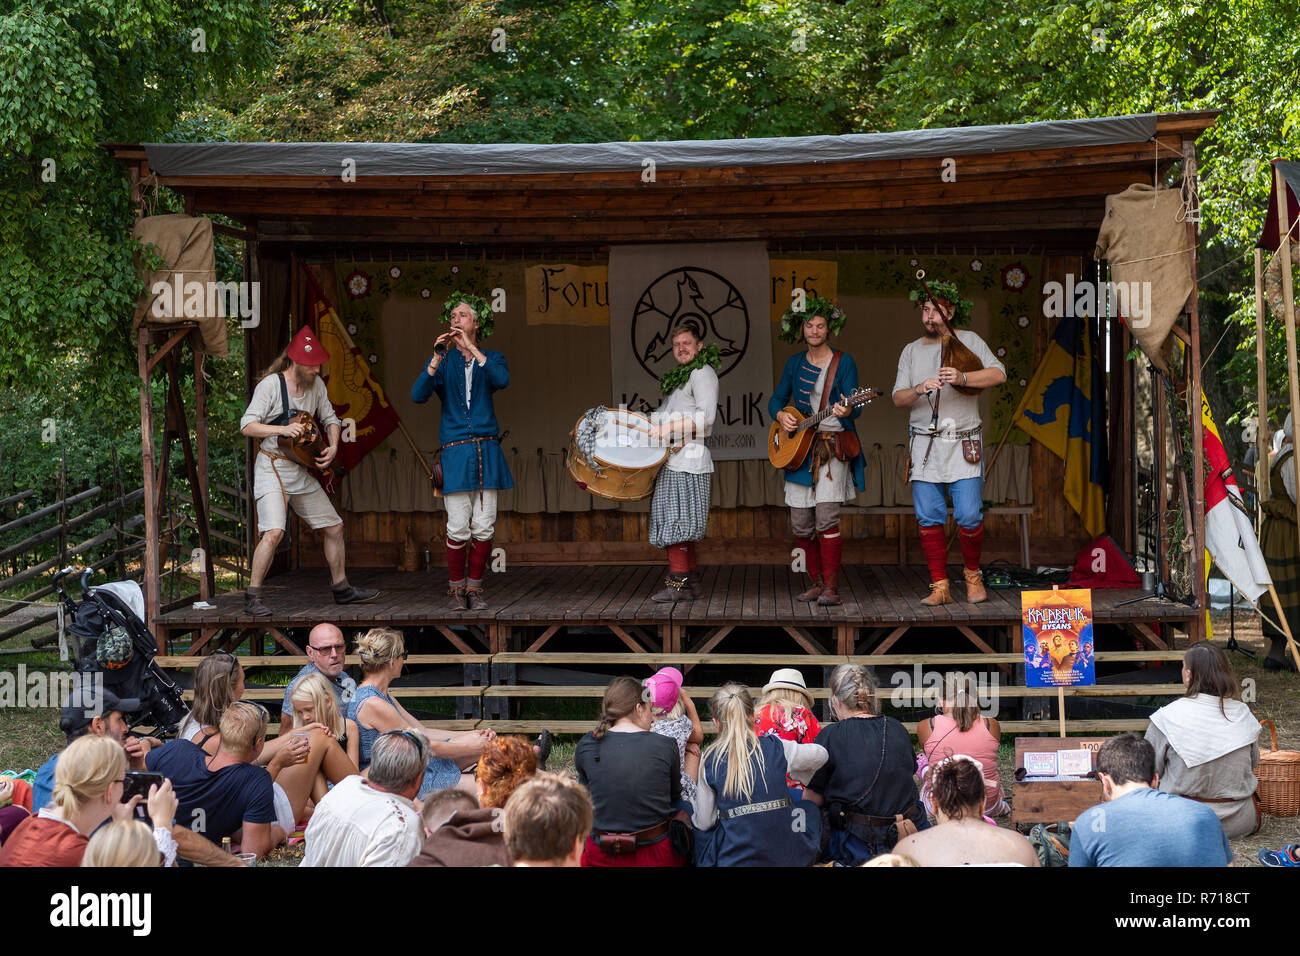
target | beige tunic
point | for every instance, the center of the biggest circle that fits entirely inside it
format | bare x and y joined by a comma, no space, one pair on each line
958,413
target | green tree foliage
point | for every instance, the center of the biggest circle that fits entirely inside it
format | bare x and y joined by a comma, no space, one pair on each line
74,75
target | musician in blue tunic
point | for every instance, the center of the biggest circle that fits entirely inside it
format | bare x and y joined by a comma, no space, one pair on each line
473,466
835,458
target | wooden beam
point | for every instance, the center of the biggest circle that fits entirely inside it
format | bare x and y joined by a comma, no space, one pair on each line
1195,400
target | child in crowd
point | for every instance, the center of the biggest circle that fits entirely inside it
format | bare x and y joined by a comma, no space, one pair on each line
675,718
785,711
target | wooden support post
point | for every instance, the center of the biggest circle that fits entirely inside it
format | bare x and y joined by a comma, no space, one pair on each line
1194,398
207,581
1288,304
151,592
1060,708
1261,384
198,485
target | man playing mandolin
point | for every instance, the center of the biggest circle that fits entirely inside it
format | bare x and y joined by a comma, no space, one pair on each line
832,471
292,382
944,444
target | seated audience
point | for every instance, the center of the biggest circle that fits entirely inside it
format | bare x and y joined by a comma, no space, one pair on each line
963,837
122,843
218,683
383,652
332,750
441,805
1206,742
370,820
109,722
744,815
226,794
961,730
866,784
547,821
88,785
1139,825
785,710
675,718
634,778
327,656
474,837
12,813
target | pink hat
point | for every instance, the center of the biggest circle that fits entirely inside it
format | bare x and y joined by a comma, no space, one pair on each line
665,686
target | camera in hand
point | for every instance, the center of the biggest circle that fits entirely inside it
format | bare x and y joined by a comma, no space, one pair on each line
138,783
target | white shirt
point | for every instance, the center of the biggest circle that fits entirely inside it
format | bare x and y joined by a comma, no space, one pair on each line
697,400
264,406
358,825
958,413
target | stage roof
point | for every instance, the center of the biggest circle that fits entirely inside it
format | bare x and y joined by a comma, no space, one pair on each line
1030,184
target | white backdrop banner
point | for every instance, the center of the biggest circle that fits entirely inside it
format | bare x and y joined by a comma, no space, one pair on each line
720,290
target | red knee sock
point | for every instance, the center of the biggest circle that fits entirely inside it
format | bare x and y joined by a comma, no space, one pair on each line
972,541
832,549
812,556
678,560
456,560
934,543
690,555
478,558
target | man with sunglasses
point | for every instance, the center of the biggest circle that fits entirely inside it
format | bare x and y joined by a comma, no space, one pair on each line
326,655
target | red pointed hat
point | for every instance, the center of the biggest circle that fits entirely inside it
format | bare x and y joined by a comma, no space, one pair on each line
306,349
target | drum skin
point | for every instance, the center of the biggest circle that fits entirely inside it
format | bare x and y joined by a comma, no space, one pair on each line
620,473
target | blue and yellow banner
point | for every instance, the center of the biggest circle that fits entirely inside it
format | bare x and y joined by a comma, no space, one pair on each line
1064,407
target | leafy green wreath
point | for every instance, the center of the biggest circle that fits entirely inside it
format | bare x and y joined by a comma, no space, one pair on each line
792,321
675,378
482,310
943,289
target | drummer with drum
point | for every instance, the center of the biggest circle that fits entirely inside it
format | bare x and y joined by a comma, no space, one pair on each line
679,510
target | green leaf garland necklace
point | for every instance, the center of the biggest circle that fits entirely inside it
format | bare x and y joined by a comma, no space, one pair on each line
675,378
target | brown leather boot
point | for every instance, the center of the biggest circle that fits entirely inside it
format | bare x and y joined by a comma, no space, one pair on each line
474,598
675,589
457,594
693,584
830,593
814,592
939,594
253,603
975,592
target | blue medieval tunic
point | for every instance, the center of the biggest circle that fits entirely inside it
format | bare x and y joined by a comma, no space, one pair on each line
795,388
478,419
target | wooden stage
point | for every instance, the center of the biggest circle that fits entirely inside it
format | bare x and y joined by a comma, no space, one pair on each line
528,606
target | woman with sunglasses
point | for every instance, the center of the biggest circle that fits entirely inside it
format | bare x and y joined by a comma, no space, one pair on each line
383,652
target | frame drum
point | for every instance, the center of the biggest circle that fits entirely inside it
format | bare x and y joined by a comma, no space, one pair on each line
625,464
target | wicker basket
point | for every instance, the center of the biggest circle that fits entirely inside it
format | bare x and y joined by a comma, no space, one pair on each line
1279,779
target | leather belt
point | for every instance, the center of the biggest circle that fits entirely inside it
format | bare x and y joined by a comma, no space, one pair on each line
867,820
764,807
478,447
642,837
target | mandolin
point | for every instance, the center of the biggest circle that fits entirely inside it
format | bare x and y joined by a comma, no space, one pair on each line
308,446
789,449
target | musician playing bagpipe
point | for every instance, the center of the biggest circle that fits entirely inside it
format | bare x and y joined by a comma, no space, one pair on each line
290,386
940,376
819,379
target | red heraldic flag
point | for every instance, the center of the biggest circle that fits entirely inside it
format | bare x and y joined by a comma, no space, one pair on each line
358,400
1229,535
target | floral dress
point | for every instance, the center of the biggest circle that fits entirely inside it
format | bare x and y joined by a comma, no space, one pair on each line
678,730
789,722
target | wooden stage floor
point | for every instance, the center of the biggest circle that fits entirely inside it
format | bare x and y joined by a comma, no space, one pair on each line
530,605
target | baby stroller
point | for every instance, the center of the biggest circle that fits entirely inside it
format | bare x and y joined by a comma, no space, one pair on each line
109,636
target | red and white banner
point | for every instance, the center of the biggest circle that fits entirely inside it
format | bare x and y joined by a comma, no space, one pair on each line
1229,535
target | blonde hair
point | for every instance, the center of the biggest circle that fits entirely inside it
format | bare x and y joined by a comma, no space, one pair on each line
241,726
85,771
215,681
316,690
891,859
281,363
122,843
960,694
733,709
787,695
379,647
673,712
